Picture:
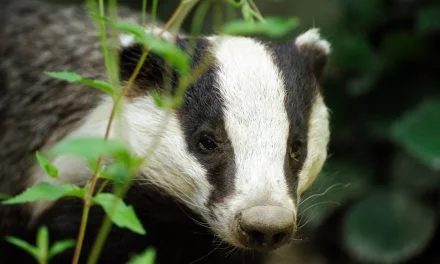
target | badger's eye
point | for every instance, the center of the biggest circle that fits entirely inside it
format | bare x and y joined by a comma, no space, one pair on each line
296,150
206,144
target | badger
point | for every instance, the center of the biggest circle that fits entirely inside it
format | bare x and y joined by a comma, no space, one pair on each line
224,183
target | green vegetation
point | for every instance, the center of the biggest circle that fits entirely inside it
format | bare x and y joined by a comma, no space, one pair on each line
383,174
42,252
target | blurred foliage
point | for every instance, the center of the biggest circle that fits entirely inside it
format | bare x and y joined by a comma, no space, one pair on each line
378,198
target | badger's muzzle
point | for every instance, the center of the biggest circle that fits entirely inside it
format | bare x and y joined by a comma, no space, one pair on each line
265,227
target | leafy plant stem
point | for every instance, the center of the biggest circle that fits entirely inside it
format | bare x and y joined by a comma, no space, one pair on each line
112,72
105,227
113,54
199,17
179,15
144,13
81,233
154,12
185,82
256,12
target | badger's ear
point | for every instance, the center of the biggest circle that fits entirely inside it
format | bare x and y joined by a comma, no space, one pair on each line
314,50
152,72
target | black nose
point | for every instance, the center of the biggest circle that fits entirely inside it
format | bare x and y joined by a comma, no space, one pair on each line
265,227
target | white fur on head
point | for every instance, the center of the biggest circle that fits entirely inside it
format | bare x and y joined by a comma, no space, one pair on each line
258,127
318,137
171,167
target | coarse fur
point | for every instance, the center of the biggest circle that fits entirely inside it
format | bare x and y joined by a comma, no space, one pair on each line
260,103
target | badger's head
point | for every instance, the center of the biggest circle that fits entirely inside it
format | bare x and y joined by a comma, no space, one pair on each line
250,137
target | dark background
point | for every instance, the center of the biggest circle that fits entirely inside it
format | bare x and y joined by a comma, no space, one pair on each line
378,198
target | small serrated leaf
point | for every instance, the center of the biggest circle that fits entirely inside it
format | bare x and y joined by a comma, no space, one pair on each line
90,148
67,76
79,193
147,257
98,84
158,99
73,77
42,191
274,27
48,167
121,214
60,246
117,173
24,245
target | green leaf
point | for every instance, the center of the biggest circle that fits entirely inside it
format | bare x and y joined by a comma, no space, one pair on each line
48,167
90,148
24,245
43,242
117,172
120,214
388,227
98,84
274,27
162,101
60,246
159,101
77,192
147,257
418,132
168,51
71,77
43,191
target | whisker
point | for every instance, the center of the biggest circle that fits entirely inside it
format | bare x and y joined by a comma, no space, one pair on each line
302,214
325,192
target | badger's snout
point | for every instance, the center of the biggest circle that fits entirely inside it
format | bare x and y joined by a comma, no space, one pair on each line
265,227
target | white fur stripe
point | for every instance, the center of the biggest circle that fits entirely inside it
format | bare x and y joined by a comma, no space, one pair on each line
318,137
256,120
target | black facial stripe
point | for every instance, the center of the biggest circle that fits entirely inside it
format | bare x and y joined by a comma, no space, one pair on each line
202,111
301,90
